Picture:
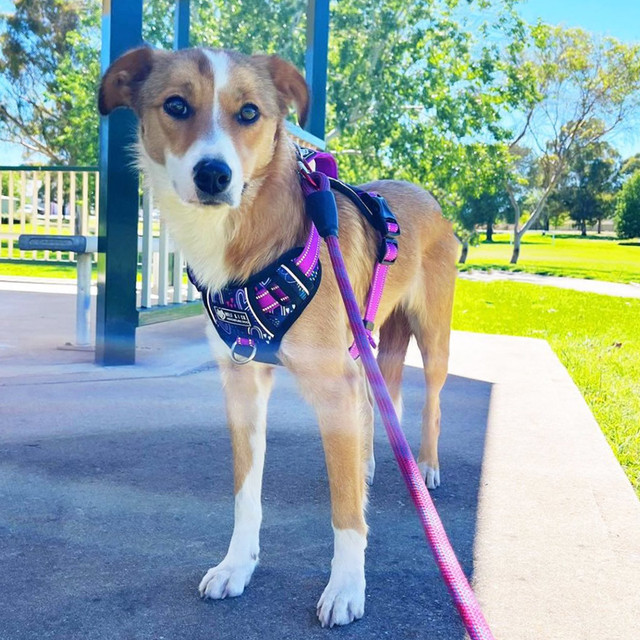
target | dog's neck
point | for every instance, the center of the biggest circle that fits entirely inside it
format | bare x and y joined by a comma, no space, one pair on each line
271,218
225,246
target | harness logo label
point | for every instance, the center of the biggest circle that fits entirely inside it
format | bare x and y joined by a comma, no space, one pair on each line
231,316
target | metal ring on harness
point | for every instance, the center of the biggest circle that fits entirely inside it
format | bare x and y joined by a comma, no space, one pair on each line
240,359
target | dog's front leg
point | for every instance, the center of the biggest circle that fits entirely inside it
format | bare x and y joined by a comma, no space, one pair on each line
334,391
247,390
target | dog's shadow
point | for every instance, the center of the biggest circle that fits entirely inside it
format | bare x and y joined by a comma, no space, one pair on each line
108,535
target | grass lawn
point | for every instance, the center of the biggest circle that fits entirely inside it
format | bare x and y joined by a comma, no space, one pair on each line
566,255
596,337
39,269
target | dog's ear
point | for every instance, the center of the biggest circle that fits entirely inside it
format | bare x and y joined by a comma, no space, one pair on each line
292,87
123,79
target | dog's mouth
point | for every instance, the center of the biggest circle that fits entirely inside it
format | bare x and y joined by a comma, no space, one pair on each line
220,199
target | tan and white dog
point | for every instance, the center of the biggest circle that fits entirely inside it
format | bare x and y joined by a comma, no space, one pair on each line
223,170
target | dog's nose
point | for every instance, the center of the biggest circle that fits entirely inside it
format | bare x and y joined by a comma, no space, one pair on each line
212,176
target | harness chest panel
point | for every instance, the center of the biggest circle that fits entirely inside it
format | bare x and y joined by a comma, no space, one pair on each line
252,317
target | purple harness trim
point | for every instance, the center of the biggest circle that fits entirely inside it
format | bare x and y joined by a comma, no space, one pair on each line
385,222
306,262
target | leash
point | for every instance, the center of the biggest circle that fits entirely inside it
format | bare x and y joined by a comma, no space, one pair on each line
321,206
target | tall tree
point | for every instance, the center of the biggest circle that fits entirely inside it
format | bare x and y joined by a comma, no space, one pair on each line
49,73
587,187
579,79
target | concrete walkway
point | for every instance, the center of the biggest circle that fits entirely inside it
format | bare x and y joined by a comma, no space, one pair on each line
116,495
617,289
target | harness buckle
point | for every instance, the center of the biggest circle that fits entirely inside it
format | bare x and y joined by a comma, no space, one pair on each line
388,251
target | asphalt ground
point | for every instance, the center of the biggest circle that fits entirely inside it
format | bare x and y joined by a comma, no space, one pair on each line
116,495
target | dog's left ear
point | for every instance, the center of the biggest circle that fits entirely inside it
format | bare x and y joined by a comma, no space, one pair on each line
292,87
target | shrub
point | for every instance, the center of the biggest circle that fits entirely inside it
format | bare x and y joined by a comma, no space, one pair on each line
628,208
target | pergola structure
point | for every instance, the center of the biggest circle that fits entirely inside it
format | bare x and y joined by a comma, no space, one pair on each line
117,314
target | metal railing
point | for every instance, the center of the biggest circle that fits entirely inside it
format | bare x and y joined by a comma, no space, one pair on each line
49,200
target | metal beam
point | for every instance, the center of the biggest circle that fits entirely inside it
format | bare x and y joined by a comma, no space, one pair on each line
316,63
117,316
181,25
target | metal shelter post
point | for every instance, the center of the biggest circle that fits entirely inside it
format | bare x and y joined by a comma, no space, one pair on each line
181,28
316,63
117,316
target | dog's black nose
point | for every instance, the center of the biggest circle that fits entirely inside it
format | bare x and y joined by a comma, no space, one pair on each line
212,176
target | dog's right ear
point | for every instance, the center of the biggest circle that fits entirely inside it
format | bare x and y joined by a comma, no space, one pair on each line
123,79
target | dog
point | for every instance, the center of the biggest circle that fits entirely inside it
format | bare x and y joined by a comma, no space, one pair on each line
224,173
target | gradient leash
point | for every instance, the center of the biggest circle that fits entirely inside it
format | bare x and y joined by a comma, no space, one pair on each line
321,207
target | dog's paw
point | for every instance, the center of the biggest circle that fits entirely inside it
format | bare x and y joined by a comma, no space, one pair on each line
431,476
226,580
341,602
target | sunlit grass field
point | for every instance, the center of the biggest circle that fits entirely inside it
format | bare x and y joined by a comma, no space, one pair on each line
596,337
565,255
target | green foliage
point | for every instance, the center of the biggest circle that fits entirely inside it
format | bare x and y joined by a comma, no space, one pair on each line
603,358
585,191
628,208
49,57
581,80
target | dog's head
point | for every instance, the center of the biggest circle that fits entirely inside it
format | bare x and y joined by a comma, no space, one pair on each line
208,118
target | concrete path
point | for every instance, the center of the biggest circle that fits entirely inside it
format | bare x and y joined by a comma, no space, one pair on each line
617,289
116,495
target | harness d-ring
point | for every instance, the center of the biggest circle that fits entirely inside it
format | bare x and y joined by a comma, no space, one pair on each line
240,359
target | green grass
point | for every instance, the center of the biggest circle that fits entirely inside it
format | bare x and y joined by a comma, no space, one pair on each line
566,255
596,337
39,269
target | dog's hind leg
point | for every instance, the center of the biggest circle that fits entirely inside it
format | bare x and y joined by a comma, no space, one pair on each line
247,389
394,340
430,320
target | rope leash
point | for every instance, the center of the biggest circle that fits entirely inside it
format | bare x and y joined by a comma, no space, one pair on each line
321,207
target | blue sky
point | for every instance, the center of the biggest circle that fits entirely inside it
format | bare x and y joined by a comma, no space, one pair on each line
617,18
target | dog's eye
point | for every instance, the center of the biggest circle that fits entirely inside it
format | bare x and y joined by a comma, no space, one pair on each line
177,107
248,114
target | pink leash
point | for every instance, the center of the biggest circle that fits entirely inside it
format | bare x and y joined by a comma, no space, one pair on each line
319,201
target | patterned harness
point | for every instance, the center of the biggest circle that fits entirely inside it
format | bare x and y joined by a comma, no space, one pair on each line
253,316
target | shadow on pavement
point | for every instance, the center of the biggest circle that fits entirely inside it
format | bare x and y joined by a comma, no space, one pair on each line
106,533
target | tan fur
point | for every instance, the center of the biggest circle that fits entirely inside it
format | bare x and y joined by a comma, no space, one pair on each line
270,220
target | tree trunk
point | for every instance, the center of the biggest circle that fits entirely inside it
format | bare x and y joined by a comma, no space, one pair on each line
490,231
583,227
516,248
464,252
599,226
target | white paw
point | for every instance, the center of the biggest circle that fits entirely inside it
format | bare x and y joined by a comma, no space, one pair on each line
431,476
226,580
341,602
370,470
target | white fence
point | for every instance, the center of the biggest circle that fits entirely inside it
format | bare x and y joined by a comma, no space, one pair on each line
48,200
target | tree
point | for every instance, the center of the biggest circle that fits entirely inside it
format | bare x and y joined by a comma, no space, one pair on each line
579,79
417,91
587,187
50,61
628,208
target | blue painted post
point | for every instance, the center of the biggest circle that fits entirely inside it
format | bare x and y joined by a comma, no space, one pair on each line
181,25
117,316
316,63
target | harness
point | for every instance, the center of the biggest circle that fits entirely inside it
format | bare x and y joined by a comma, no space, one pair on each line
253,316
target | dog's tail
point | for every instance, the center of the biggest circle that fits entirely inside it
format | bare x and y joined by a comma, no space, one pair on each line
395,334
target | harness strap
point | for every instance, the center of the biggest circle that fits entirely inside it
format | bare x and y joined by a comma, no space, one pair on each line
376,211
